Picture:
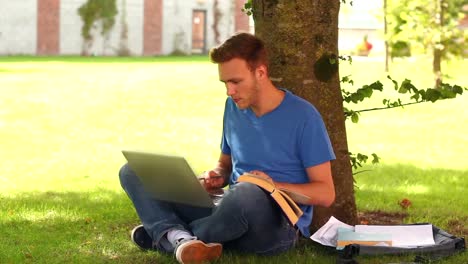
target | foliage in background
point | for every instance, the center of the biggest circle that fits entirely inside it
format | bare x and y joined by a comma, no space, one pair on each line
447,34
406,88
93,12
427,26
418,22
123,49
217,14
248,7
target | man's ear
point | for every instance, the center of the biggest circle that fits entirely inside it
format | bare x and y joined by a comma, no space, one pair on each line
261,72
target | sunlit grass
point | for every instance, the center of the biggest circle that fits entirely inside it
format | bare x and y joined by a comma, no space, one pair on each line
385,186
64,121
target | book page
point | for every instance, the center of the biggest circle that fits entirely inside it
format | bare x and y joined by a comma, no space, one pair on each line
328,234
297,197
402,235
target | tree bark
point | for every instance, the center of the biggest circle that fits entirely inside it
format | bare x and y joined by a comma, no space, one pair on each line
387,55
302,41
438,50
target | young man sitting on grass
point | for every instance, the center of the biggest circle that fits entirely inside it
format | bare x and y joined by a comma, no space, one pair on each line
267,131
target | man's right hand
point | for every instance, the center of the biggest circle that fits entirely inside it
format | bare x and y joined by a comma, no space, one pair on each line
211,180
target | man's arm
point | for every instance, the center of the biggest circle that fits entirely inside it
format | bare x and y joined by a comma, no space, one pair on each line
320,189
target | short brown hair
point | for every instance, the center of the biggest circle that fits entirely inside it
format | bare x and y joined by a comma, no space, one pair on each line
242,46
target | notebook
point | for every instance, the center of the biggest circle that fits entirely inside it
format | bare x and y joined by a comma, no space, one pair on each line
169,178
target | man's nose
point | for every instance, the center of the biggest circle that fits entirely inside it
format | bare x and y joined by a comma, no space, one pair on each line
230,90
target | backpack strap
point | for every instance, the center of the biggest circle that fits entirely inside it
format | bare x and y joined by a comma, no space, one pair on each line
346,255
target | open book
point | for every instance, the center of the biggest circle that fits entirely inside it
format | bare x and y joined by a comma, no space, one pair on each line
286,199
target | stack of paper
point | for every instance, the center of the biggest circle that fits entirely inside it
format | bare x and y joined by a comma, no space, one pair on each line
328,234
402,235
338,234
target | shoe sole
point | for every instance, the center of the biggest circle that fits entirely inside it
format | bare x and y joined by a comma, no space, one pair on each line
198,252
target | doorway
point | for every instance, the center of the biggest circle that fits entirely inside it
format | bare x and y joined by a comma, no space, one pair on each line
199,31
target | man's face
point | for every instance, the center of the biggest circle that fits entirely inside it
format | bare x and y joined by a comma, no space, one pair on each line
241,84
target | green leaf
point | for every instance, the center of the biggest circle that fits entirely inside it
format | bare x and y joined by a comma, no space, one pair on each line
395,83
355,117
447,93
345,79
402,90
376,86
356,97
415,97
366,92
457,89
347,112
362,157
432,95
346,58
375,158
406,86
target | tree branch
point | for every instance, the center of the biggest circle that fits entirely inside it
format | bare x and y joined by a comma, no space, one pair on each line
388,107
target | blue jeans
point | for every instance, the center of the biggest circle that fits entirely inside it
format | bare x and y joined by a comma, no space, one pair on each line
247,219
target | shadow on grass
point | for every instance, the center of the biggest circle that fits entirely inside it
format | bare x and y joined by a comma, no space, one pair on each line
70,227
94,226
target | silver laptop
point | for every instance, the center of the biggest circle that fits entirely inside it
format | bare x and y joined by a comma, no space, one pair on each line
169,178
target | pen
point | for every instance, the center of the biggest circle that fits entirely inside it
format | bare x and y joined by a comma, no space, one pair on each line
212,177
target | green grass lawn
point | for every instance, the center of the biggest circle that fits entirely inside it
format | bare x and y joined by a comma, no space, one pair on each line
64,121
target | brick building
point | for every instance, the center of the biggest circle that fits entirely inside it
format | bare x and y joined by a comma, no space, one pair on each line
153,27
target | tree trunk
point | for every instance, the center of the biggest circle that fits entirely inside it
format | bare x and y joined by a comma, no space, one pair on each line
438,49
302,40
436,68
387,55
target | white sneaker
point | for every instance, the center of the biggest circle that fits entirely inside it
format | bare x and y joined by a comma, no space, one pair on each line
195,251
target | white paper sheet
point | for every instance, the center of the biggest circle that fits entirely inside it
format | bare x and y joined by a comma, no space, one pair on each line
402,236
328,234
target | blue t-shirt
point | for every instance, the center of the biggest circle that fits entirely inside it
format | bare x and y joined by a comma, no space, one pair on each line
281,143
